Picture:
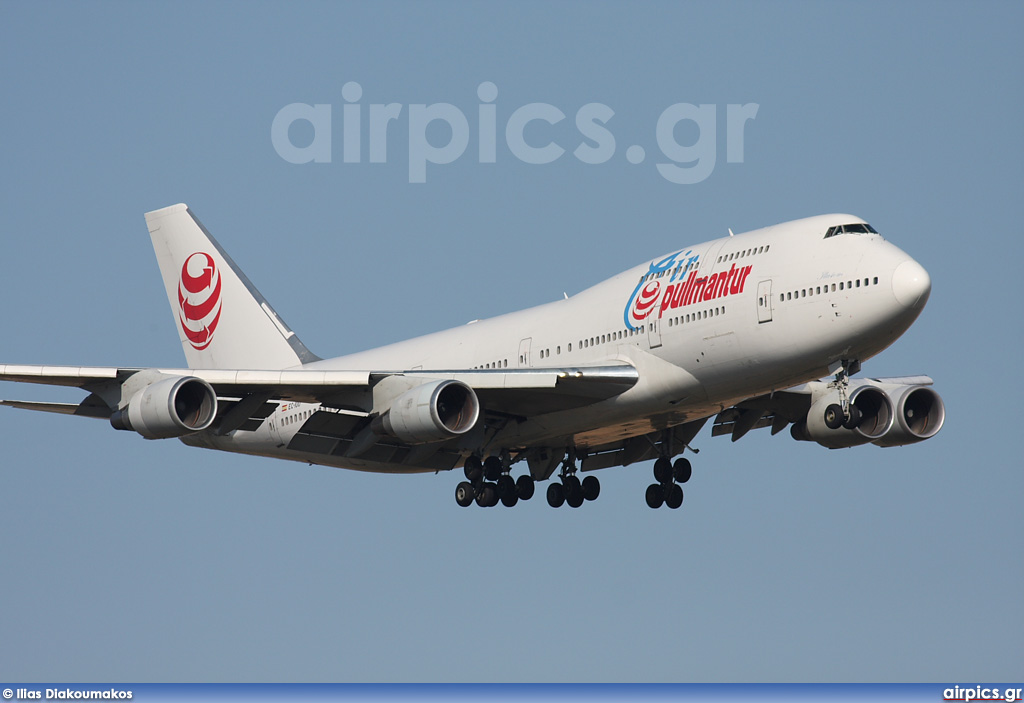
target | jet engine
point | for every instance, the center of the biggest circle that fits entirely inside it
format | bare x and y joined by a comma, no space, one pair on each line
919,415
173,407
431,412
871,417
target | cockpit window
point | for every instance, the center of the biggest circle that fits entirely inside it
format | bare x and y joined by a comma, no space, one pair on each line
855,228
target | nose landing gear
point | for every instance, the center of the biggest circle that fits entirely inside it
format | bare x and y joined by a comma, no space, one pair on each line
843,414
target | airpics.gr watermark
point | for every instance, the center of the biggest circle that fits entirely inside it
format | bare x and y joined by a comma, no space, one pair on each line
683,163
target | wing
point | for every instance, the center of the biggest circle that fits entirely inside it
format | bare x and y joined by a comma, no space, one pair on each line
245,394
887,412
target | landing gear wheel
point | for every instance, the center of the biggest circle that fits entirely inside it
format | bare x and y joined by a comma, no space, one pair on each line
591,488
834,416
663,470
492,468
464,494
488,496
506,487
856,416
510,499
682,470
655,495
473,468
572,485
556,495
575,498
525,486
573,491
674,496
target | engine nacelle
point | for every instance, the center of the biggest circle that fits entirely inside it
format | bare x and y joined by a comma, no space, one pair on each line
173,407
876,419
431,412
920,413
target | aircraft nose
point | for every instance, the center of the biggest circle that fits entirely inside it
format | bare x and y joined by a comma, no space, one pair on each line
911,284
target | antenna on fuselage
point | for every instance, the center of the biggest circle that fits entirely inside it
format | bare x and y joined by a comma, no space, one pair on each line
730,232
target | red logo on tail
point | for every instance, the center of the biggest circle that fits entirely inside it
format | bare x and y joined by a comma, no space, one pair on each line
199,301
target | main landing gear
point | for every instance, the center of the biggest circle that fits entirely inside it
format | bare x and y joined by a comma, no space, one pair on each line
668,475
571,489
488,483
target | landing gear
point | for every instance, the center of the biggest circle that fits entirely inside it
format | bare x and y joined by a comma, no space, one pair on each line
667,490
853,421
682,470
571,489
843,414
489,483
668,475
464,494
556,495
525,486
655,495
493,468
474,468
834,416
674,496
487,496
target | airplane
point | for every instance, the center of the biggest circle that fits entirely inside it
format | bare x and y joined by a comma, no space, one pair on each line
761,329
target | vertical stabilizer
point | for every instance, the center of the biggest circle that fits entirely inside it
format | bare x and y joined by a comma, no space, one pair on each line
222,320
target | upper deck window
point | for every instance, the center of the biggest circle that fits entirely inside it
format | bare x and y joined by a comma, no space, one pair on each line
855,228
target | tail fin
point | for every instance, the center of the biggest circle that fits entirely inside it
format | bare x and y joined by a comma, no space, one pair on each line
222,319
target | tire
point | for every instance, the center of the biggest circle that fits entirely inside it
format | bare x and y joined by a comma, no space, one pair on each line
834,416
663,470
682,470
591,488
473,468
465,494
556,495
575,498
492,468
655,495
525,487
572,485
509,500
506,487
674,496
488,496
856,417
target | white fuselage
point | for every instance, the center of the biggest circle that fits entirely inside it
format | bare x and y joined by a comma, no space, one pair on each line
706,326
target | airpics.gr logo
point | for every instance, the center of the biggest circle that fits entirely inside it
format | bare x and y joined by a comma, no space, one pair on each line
199,299
680,289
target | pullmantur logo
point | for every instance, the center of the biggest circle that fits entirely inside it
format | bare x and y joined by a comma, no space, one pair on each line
681,163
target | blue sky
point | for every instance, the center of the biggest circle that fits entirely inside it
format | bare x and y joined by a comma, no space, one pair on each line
126,559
